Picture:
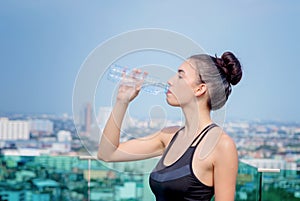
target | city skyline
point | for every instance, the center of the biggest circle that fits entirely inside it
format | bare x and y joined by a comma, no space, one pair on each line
44,45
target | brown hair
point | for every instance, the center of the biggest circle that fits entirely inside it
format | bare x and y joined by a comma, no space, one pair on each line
219,74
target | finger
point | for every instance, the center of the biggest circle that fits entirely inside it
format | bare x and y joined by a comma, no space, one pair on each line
137,70
145,75
124,72
141,80
127,78
135,74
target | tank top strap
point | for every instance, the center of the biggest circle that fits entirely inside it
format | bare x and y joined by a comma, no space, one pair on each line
175,135
202,134
172,140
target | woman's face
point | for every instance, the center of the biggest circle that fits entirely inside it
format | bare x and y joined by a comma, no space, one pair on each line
182,85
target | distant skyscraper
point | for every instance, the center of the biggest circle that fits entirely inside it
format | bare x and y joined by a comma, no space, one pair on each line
14,130
88,117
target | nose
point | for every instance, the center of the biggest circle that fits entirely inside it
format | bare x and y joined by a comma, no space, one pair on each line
170,82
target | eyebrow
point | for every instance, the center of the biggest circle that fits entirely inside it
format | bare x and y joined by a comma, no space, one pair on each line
180,71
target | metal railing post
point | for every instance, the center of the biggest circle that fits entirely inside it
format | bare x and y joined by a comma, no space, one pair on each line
89,158
260,172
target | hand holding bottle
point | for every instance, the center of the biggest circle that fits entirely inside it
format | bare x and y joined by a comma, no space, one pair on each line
130,85
150,84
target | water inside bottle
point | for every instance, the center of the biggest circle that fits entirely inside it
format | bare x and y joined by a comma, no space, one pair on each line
115,73
151,84
154,86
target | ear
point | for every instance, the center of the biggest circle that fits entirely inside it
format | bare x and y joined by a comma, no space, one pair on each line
200,89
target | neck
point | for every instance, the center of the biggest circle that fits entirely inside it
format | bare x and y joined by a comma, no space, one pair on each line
196,118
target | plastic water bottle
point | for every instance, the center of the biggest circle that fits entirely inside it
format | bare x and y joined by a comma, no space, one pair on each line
150,85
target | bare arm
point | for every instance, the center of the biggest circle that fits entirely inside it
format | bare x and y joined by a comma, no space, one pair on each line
110,148
225,170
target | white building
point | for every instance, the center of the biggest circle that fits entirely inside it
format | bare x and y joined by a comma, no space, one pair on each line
61,147
41,126
64,136
14,129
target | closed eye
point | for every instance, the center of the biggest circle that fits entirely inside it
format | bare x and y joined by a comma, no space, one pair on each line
180,73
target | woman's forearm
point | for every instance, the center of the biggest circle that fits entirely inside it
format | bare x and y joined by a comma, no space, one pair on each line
110,138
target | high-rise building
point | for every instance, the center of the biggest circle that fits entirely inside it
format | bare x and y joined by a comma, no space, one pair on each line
87,118
14,129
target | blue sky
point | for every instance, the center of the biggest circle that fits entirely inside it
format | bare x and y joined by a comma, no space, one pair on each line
44,43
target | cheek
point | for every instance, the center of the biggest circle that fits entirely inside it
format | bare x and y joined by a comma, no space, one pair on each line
180,97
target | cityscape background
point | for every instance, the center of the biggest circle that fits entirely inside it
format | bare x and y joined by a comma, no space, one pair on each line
46,155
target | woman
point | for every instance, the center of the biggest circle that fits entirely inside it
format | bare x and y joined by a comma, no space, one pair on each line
199,160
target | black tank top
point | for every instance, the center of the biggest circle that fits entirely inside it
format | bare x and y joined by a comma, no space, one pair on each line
177,182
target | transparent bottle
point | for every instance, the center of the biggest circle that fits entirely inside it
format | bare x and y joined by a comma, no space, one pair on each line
151,85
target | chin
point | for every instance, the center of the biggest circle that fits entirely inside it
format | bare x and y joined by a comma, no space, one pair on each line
173,103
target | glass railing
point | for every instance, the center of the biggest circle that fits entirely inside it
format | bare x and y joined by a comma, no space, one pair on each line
66,178
247,186
280,185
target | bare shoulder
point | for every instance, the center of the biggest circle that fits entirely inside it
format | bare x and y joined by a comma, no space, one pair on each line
227,142
225,146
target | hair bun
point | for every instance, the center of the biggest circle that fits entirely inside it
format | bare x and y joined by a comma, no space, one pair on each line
231,67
